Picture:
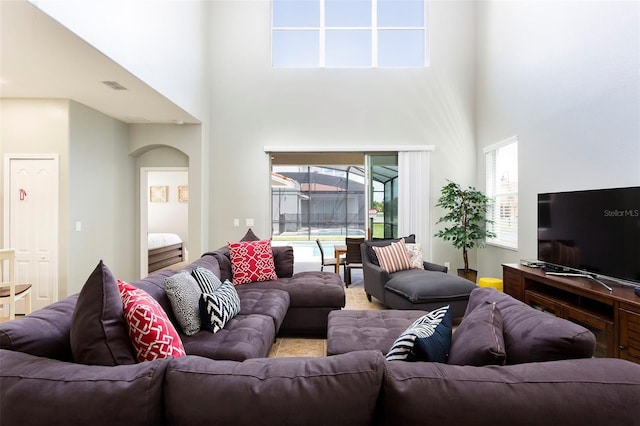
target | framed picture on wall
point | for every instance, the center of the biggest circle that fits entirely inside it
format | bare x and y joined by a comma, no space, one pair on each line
158,194
183,193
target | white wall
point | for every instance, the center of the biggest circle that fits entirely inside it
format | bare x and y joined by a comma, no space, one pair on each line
164,43
254,105
30,126
97,182
102,196
565,78
168,145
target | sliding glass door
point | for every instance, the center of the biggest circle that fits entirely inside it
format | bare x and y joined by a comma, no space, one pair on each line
382,178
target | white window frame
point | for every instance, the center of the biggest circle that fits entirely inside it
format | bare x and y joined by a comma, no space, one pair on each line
322,28
505,227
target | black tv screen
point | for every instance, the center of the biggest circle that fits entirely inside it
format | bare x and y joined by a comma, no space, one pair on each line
596,231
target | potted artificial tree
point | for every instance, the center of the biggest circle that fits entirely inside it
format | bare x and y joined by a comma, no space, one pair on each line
466,211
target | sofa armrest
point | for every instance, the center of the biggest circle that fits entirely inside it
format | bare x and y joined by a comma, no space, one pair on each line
44,332
39,391
375,279
435,267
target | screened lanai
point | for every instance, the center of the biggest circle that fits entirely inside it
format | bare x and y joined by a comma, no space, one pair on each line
330,203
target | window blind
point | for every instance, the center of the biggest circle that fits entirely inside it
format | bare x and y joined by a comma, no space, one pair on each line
502,188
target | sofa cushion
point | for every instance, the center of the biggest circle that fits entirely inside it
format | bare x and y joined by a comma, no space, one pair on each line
217,308
600,391
44,332
393,257
98,332
350,331
343,389
252,261
243,337
309,289
531,335
152,334
184,293
264,301
43,391
205,261
206,280
419,285
282,259
427,339
478,339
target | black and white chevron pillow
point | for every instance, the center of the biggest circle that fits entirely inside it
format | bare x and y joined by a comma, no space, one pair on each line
206,279
217,308
427,339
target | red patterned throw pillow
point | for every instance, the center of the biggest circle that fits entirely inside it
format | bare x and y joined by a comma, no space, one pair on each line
151,332
252,261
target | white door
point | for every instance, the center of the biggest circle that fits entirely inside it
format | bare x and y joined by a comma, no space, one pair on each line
31,218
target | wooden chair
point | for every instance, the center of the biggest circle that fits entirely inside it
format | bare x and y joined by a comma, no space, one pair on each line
353,258
327,261
9,290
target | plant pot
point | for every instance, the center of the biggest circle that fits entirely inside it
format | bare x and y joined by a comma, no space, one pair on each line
471,275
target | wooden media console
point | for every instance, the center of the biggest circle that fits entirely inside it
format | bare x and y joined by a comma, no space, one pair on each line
613,316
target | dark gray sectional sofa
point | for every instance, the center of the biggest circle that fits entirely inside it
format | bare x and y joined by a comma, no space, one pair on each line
40,384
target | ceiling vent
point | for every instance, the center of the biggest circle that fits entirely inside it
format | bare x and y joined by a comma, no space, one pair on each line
114,85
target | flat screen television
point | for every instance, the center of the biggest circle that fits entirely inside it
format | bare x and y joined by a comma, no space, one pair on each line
594,231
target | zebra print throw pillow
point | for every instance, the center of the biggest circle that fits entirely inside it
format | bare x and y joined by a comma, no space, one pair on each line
427,339
206,279
217,308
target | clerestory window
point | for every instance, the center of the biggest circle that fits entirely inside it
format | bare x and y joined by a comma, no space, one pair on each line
348,33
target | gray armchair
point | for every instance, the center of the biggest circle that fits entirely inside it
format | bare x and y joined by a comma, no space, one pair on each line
424,289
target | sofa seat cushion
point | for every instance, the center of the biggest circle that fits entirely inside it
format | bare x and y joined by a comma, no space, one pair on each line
289,391
531,335
350,331
309,289
271,302
420,286
243,337
41,391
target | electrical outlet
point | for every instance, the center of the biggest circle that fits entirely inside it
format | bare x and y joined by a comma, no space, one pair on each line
236,222
447,265
249,222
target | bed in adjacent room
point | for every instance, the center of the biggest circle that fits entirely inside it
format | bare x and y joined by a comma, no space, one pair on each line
165,249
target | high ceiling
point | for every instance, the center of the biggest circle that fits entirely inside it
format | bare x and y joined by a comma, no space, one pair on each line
39,58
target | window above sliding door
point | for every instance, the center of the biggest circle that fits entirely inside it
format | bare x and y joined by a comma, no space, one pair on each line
348,33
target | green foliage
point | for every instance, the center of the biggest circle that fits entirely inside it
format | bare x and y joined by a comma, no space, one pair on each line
466,211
